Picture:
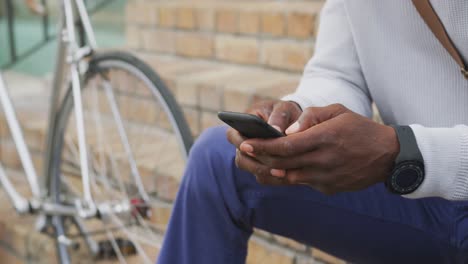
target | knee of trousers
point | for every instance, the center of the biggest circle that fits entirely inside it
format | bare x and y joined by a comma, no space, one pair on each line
211,159
212,179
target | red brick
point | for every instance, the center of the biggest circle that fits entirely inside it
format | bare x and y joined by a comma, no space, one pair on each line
186,18
249,22
143,13
209,119
211,97
227,20
131,12
133,37
286,55
160,215
325,257
237,49
192,116
159,40
205,19
262,252
194,45
273,23
301,25
290,243
167,16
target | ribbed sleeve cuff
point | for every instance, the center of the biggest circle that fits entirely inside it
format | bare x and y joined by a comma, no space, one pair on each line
445,153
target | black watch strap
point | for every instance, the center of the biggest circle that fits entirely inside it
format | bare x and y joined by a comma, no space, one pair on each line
409,149
408,172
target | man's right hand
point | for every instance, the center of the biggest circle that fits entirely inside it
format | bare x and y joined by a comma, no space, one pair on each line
280,115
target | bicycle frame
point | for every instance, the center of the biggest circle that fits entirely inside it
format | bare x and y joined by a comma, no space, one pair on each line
72,61
70,54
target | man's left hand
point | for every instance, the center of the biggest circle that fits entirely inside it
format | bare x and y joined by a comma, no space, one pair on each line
331,149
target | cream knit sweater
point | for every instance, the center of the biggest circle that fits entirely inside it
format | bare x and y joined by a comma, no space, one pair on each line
382,51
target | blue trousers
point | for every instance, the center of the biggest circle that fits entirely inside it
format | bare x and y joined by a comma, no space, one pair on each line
218,205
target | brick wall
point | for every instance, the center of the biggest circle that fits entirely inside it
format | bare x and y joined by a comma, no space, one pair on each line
274,35
213,55
224,55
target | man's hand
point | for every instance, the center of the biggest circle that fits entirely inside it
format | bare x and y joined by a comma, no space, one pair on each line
331,149
279,114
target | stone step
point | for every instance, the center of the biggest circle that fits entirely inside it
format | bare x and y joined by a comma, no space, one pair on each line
203,87
160,172
21,243
263,248
271,34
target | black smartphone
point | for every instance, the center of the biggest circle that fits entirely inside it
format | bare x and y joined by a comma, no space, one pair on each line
250,126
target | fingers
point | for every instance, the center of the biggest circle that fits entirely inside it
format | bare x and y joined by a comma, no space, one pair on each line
262,109
261,172
289,146
313,178
318,159
315,115
297,143
234,137
283,114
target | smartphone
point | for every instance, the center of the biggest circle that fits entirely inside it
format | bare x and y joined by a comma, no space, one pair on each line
250,126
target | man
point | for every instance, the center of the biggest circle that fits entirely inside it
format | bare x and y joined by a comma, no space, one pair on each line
367,51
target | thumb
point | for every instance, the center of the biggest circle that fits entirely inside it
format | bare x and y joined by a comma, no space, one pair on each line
315,115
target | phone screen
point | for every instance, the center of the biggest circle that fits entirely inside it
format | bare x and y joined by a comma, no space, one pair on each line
250,126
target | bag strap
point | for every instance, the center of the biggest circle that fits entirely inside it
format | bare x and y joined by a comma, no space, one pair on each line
432,20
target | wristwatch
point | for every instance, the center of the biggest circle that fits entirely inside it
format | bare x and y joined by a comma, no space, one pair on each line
408,171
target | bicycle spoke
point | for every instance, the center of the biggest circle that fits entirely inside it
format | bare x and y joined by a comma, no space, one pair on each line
99,133
132,150
124,138
136,240
116,247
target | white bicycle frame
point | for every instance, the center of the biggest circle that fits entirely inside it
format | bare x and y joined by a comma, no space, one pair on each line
71,63
68,53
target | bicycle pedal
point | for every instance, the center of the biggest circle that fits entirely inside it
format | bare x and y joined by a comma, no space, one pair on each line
140,207
107,250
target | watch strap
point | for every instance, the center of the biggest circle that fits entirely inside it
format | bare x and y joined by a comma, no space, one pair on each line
409,149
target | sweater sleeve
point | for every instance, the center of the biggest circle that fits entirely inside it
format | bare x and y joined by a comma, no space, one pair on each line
445,153
334,73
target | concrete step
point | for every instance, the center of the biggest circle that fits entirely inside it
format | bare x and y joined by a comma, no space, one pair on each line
271,34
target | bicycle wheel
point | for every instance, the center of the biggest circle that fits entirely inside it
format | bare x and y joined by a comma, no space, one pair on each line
137,140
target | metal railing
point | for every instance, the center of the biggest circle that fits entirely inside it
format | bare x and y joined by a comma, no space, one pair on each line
46,35
14,56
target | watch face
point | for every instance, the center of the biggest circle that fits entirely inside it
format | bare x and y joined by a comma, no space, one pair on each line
407,177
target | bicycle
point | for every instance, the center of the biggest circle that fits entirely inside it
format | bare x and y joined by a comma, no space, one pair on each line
93,185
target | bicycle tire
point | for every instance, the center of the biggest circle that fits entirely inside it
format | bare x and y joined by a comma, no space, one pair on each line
160,91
